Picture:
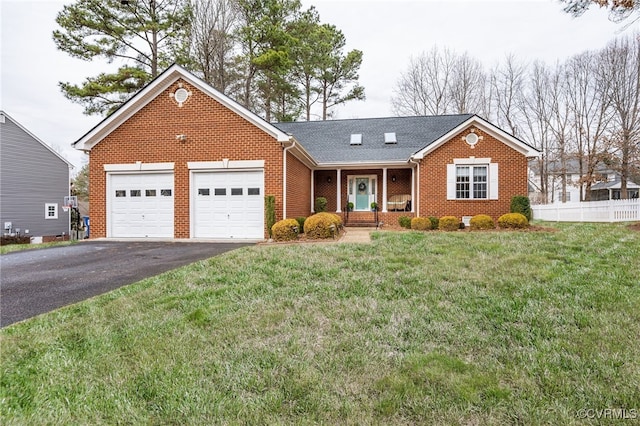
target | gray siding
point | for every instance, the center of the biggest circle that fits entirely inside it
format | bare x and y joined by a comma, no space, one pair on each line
30,176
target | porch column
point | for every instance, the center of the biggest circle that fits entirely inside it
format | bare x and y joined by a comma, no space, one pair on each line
384,190
313,184
413,190
338,192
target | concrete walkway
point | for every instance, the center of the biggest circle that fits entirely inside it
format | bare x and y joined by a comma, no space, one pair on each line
356,235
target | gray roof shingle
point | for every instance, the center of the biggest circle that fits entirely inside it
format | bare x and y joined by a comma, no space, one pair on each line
329,141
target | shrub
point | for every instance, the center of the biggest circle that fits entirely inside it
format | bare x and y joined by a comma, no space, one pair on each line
420,224
521,204
14,239
448,223
321,205
480,222
435,222
319,225
513,221
285,230
300,221
270,211
404,221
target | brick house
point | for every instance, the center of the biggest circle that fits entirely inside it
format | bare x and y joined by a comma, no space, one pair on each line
181,160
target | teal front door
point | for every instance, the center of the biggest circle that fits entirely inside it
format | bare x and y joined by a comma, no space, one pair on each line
362,193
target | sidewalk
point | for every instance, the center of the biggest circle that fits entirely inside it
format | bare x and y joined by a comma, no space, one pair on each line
356,235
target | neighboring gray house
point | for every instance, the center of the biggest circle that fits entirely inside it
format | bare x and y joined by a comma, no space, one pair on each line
34,180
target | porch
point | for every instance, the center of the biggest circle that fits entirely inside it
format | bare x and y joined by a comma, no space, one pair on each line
365,197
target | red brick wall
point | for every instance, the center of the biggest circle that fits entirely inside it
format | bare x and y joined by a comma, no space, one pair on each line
512,175
298,188
213,133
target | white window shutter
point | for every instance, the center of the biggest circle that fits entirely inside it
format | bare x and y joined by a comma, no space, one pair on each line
493,181
451,181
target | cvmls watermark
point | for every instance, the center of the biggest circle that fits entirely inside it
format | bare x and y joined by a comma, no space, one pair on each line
609,413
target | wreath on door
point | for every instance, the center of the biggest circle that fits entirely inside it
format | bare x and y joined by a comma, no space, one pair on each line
362,186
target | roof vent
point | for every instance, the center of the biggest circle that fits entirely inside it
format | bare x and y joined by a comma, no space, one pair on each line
390,138
356,139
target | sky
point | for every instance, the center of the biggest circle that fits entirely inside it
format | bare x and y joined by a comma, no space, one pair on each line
388,32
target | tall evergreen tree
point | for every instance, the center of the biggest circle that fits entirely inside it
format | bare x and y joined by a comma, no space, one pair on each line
144,35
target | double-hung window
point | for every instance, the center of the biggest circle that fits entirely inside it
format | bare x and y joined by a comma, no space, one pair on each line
472,180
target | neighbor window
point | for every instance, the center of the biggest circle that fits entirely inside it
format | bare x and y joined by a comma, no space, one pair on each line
51,211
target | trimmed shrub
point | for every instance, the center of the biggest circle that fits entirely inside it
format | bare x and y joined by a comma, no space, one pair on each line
435,222
448,223
420,224
480,222
521,204
320,205
285,230
513,221
404,221
301,223
270,211
320,225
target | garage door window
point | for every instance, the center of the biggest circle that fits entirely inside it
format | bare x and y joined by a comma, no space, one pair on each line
150,193
203,191
236,191
253,191
135,193
121,193
220,191
165,193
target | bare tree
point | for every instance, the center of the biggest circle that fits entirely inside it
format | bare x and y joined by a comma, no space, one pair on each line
589,100
213,46
621,59
425,88
467,85
507,84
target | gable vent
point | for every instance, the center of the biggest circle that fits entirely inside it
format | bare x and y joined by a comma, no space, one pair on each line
356,139
390,138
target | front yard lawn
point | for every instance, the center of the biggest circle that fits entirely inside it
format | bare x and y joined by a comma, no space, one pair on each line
428,328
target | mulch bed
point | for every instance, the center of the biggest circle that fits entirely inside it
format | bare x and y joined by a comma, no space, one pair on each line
635,226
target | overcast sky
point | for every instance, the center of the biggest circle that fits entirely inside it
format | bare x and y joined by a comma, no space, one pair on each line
388,32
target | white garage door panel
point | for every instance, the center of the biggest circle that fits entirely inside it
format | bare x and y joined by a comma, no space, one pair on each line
141,205
228,204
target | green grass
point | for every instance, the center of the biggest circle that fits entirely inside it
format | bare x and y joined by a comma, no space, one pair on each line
19,247
428,328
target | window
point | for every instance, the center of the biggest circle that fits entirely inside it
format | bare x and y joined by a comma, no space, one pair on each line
472,179
471,182
121,193
149,192
220,191
165,193
135,193
51,210
568,194
236,191
203,191
253,191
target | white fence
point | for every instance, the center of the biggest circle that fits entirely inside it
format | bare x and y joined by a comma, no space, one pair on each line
589,211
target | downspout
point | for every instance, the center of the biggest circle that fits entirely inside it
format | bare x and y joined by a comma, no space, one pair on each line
415,204
284,175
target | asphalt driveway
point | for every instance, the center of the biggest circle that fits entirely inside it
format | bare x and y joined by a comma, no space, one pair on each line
33,282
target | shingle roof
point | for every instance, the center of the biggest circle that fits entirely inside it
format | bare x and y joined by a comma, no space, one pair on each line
329,141
614,184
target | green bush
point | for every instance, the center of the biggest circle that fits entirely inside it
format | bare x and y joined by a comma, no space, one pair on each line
521,204
270,211
448,223
301,223
322,225
420,224
285,230
480,222
513,221
435,222
404,221
321,205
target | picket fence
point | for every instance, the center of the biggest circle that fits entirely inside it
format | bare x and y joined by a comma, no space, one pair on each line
589,211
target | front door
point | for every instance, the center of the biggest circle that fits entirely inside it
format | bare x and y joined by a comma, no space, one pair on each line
362,192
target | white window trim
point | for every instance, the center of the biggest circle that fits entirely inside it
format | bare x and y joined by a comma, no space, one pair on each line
492,178
46,210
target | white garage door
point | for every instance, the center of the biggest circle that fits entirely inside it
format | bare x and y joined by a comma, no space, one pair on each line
141,205
228,205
